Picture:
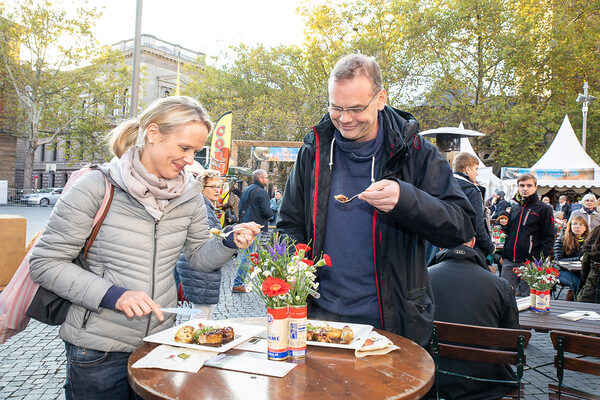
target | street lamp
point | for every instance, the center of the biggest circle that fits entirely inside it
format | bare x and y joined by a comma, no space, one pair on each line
586,99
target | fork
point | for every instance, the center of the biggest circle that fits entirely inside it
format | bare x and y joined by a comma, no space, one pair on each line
224,235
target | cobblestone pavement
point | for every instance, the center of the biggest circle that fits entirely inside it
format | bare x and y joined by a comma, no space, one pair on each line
32,363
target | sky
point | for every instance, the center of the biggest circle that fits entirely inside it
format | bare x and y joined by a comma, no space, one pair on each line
204,26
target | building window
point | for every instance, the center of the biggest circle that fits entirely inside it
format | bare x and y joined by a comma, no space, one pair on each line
54,152
43,153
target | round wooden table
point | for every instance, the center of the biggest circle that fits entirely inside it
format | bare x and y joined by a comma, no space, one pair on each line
325,373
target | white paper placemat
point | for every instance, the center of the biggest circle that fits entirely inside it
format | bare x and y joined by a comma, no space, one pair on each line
253,363
577,315
174,359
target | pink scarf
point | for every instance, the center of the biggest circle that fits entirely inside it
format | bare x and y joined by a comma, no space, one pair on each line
153,192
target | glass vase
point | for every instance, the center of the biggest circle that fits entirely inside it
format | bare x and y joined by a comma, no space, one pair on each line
297,345
278,333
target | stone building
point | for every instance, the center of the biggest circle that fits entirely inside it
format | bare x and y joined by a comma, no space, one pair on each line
159,64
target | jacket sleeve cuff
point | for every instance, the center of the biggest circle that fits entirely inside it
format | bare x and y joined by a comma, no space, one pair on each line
228,241
112,295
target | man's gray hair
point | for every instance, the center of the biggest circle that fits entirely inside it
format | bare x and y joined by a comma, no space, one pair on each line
562,196
259,173
588,197
353,65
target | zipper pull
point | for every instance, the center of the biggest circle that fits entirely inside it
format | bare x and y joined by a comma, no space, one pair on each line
155,229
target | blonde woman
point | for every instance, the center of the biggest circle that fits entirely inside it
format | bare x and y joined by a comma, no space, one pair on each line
155,213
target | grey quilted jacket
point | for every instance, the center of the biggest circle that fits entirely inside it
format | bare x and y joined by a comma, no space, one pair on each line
132,250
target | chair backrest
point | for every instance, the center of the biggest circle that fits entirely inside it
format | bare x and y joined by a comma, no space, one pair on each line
479,344
577,344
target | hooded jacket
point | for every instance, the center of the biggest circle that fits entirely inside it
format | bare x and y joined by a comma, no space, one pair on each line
255,205
483,239
530,231
132,250
467,293
431,207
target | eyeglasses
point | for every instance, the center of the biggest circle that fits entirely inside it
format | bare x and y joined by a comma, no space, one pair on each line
337,112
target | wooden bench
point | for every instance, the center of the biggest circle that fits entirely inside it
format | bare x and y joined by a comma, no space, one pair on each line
582,345
480,344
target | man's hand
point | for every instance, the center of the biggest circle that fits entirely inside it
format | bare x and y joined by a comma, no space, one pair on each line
382,195
244,238
137,304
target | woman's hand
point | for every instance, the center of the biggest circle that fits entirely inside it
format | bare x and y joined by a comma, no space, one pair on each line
244,238
137,304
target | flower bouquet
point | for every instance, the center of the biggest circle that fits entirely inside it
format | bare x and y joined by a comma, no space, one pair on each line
541,277
283,278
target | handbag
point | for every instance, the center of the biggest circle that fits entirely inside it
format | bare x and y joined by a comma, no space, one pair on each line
47,306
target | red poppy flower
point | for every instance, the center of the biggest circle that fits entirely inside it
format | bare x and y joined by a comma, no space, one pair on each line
527,262
302,246
307,261
327,259
274,286
254,258
548,271
540,269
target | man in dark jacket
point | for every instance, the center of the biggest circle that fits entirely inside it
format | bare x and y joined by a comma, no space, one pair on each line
466,292
377,241
529,234
254,207
465,167
564,206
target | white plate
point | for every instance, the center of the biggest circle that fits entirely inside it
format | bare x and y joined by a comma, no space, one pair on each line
361,333
241,334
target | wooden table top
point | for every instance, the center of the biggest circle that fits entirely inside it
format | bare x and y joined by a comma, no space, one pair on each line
325,373
545,322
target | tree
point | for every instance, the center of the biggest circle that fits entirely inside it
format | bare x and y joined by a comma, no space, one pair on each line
55,92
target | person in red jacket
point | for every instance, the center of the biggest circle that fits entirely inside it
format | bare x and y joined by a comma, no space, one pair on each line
530,232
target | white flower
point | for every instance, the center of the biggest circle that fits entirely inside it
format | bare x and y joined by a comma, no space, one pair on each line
298,298
310,275
267,273
315,285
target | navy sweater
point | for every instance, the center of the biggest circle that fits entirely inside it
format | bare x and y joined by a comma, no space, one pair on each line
348,288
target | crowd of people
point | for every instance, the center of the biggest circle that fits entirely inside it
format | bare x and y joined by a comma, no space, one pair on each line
417,225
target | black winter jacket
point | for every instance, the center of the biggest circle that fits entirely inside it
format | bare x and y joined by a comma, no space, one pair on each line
431,207
483,239
255,205
530,231
467,293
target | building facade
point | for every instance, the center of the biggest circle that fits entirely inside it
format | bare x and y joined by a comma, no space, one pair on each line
160,62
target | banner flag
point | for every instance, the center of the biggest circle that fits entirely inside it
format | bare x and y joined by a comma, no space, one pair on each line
220,148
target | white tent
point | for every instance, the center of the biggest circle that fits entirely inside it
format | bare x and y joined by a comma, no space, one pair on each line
565,153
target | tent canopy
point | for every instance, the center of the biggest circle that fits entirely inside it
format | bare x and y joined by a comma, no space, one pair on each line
565,152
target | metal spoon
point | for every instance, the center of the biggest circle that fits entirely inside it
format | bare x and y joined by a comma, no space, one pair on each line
347,200
224,235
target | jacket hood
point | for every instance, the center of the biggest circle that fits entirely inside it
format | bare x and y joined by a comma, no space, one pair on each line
459,253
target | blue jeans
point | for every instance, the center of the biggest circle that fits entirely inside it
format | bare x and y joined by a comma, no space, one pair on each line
96,375
240,276
570,279
244,257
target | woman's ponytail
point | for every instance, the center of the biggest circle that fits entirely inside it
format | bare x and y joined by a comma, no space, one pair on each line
124,136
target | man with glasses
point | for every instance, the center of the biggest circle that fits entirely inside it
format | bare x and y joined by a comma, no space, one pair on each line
254,206
377,241
529,233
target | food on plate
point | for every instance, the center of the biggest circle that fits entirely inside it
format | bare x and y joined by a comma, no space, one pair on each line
205,335
340,197
185,334
329,334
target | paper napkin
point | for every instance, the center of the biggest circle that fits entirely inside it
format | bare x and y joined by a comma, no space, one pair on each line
577,315
374,345
174,359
